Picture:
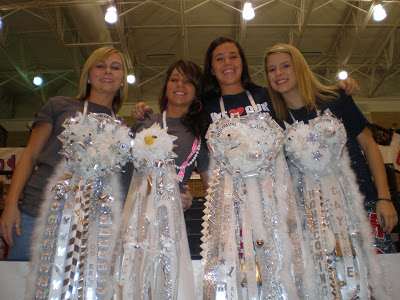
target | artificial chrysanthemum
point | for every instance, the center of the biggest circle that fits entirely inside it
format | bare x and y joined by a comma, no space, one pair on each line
153,144
96,143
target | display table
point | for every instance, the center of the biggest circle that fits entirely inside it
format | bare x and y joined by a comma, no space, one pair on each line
12,276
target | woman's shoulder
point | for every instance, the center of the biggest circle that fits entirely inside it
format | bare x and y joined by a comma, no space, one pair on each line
64,99
148,120
336,97
62,102
153,118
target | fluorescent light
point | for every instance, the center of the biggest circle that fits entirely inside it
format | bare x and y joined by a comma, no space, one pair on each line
379,13
38,81
111,14
342,75
248,11
131,79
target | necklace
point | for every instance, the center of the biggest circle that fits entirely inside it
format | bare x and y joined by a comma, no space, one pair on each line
192,155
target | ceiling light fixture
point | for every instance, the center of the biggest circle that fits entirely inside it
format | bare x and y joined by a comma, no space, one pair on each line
248,11
379,13
38,81
342,75
111,16
131,79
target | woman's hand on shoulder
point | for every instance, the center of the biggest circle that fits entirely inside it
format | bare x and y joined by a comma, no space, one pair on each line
10,218
140,110
350,86
385,210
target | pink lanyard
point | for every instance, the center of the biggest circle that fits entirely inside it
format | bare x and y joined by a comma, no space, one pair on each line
193,154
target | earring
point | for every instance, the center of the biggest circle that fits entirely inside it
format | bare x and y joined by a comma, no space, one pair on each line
89,82
122,84
195,100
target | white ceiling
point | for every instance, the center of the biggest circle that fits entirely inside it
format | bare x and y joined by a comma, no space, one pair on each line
53,39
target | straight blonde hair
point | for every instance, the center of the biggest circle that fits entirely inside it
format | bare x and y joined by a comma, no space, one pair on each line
310,87
102,54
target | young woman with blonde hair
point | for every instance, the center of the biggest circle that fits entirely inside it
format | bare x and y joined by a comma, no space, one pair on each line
325,145
103,87
294,89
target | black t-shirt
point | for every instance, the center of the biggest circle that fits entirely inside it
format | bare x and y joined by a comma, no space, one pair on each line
240,103
354,122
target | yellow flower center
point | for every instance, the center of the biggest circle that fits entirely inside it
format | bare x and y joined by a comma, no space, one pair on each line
148,140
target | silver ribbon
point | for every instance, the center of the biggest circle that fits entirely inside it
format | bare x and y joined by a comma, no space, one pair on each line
155,256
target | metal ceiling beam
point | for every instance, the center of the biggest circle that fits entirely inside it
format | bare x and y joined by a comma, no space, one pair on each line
39,4
241,33
390,35
151,78
305,13
259,25
19,69
358,31
386,75
338,41
125,36
184,30
58,32
294,23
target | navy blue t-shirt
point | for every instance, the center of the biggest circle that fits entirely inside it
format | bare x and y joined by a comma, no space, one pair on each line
240,103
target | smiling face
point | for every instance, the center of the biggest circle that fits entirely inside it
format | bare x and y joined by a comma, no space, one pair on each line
227,67
282,75
106,76
180,91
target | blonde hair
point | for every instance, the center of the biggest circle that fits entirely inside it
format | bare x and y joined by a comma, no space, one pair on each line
310,87
84,87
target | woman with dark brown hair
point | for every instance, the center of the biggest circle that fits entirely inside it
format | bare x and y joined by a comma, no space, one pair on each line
161,243
184,116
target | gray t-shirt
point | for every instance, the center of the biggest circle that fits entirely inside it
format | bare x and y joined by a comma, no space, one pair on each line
184,142
55,112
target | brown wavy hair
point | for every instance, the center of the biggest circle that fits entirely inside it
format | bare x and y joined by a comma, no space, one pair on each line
195,119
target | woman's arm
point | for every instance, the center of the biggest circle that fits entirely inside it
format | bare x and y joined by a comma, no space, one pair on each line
384,209
23,171
204,179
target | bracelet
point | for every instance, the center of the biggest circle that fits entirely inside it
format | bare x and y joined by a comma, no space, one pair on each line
386,199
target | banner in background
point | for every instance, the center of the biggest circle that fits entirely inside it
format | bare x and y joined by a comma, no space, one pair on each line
8,161
391,154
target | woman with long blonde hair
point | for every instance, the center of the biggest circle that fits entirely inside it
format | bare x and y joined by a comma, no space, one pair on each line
103,87
324,162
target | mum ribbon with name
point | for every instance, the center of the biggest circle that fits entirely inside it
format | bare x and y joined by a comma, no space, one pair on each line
155,260
337,242
75,233
249,192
